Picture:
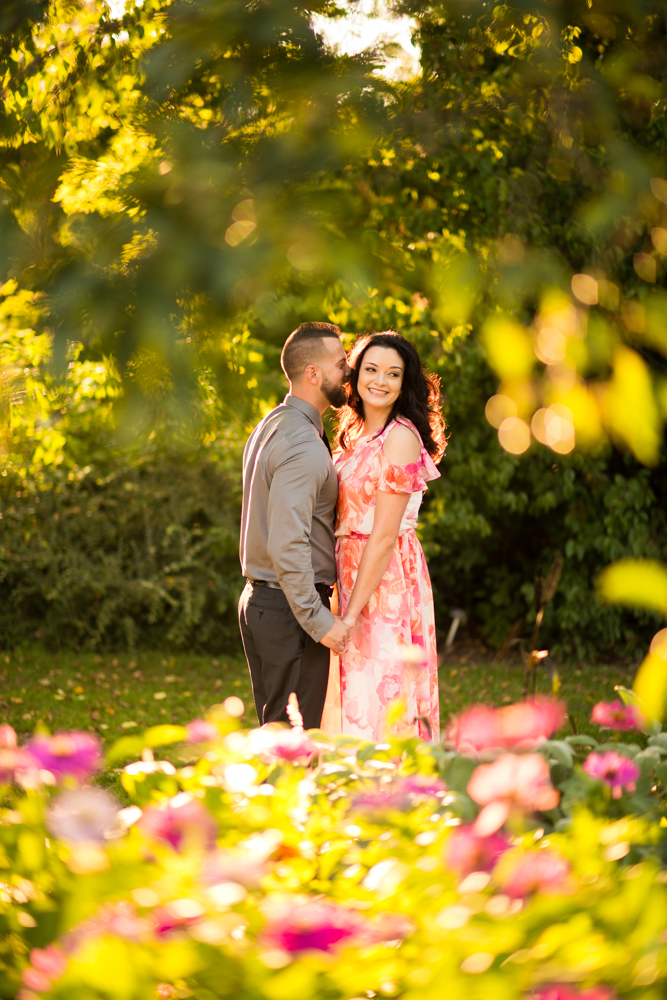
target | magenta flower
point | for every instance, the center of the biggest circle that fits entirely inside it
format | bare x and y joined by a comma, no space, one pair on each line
292,745
467,852
400,794
616,715
563,991
83,815
614,770
76,755
182,822
201,731
311,926
46,964
534,871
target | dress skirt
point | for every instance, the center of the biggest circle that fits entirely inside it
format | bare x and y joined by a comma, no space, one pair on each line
381,663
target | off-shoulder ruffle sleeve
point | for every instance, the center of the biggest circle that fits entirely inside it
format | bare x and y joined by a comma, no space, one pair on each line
411,478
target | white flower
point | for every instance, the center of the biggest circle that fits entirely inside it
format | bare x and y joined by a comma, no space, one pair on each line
83,815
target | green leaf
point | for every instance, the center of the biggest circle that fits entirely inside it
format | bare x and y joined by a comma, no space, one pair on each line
638,582
126,746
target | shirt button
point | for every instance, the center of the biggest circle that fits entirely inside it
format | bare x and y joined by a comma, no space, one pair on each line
312,632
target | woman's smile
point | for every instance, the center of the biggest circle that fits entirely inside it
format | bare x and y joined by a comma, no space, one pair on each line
380,381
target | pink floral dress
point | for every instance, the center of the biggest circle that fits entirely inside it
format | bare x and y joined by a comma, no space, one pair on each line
380,663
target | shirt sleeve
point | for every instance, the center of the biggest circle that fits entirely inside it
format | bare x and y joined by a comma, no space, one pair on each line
297,480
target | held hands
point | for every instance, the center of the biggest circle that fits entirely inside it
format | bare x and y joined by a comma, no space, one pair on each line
338,634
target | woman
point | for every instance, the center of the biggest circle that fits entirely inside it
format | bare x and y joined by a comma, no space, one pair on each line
390,435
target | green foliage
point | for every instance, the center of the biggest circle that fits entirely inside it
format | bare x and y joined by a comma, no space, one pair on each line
146,553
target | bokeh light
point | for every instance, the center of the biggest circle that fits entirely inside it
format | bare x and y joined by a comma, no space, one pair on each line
514,435
499,408
585,288
553,426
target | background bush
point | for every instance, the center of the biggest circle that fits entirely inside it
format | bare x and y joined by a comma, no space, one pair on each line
147,554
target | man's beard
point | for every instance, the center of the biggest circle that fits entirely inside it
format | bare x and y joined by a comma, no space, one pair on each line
335,395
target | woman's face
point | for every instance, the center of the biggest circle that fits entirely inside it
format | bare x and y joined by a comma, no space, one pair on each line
380,378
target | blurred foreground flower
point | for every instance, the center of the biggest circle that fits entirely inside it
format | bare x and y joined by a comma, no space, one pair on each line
467,852
201,731
614,770
524,725
522,873
616,715
245,863
83,815
76,755
564,991
400,794
510,781
294,926
46,964
182,822
16,765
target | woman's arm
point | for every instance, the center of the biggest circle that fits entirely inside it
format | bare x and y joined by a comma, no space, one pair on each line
401,448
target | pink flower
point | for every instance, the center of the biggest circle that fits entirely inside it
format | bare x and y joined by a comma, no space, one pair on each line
520,781
524,725
467,852
18,766
52,961
181,822
36,980
8,737
292,745
528,723
616,715
311,926
399,794
476,730
67,754
534,871
46,964
201,731
561,991
614,770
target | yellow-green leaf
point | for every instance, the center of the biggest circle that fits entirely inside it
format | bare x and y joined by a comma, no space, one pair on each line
638,582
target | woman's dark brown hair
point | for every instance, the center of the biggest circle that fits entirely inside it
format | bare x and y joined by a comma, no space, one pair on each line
419,400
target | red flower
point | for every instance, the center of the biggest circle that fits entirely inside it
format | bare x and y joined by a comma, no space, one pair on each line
534,871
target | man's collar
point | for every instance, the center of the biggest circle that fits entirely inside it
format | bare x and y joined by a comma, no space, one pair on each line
306,408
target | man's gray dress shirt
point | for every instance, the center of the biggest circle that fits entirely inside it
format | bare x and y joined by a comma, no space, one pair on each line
290,490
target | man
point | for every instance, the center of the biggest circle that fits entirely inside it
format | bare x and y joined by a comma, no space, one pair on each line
290,490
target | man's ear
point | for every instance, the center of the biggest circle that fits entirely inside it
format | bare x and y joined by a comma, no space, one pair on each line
311,374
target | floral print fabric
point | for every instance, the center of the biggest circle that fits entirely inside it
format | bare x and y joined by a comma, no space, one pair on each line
379,664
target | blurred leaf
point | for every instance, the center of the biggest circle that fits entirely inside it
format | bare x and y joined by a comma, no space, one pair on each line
124,748
509,348
159,736
639,582
650,686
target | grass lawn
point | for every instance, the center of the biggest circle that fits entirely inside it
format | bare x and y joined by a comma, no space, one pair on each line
116,695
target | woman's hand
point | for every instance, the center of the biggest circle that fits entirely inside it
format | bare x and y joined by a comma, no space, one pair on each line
349,620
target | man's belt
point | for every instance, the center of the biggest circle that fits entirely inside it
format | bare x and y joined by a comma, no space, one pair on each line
319,587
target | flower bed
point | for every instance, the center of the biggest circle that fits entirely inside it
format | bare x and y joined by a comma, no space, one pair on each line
288,866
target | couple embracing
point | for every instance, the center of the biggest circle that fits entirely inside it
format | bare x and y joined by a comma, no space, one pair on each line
316,526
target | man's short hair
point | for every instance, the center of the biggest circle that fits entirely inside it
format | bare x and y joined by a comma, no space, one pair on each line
304,347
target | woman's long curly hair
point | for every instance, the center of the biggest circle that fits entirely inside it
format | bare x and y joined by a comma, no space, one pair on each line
419,400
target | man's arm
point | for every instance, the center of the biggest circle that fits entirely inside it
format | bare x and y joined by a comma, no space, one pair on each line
297,480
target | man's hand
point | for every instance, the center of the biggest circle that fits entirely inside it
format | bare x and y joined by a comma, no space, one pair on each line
337,635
